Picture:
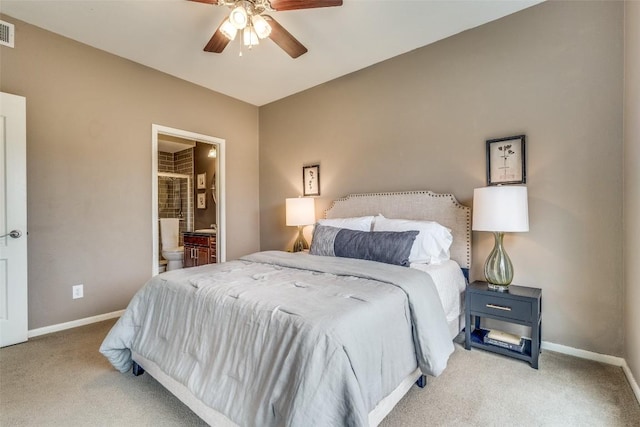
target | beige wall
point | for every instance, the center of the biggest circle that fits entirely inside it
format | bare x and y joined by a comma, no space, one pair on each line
420,121
414,122
632,186
89,117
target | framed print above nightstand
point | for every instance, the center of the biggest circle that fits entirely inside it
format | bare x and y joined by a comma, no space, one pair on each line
506,160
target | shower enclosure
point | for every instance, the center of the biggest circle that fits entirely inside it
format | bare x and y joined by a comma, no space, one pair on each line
175,200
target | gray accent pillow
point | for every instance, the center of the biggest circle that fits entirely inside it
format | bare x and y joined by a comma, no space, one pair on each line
390,247
323,239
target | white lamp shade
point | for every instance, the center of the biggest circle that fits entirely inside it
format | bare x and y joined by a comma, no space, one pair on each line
238,17
249,37
262,27
228,29
301,211
500,208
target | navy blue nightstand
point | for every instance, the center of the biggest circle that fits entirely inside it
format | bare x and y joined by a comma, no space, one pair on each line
520,304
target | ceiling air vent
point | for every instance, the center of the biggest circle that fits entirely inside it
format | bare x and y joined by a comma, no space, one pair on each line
6,33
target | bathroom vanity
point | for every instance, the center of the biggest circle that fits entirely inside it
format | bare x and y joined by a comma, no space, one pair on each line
199,248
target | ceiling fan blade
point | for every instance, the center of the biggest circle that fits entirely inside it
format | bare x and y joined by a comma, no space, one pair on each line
218,42
206,1
284,39
280,5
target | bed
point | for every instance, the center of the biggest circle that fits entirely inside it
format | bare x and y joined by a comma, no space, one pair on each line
301,339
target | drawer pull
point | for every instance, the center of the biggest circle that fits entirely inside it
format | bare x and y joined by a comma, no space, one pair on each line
499,307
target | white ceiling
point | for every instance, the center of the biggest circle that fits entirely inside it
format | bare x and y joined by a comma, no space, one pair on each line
169,35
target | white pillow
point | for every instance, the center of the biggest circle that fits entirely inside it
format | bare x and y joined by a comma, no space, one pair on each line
432,243
362,223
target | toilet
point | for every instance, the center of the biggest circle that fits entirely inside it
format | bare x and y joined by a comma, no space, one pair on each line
174,254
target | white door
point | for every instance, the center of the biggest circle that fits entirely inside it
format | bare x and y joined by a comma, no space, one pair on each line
13,220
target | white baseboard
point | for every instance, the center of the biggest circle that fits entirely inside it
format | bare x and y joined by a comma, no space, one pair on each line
583,354
604,358
74,324
632,381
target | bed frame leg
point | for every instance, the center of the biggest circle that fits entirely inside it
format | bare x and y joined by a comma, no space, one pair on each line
137,369
422,381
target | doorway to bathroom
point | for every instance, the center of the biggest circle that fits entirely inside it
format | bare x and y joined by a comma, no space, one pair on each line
187,184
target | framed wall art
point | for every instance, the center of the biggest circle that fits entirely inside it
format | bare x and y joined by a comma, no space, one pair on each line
506,160
311,180
202,181
202,201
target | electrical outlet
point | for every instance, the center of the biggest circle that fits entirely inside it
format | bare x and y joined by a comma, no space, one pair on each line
77,291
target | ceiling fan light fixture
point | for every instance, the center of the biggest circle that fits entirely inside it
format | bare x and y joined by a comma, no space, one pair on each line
261,26
252,17
238,17
228,29
250,37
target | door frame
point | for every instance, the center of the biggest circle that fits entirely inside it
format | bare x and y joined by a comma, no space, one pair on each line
220,188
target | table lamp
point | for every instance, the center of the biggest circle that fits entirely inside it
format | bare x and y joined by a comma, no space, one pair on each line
500,209
301,211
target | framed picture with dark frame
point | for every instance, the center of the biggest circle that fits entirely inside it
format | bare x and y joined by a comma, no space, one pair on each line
202,181
506,160
311,180
202,201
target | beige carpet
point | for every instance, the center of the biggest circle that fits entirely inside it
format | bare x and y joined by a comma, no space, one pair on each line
62,380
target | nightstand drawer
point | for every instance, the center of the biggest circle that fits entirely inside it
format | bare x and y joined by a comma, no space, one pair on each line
501,307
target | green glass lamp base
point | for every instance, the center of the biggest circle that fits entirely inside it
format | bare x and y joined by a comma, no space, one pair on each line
498,269
499,288
300,244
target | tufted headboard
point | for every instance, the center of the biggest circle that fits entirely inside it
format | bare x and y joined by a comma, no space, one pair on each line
417,205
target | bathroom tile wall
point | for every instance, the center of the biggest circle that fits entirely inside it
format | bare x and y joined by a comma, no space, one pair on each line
183,164
165,162
170,204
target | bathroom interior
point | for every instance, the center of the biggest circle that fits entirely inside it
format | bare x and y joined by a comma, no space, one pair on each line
187,196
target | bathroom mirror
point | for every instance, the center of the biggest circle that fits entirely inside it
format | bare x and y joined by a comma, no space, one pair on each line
181,160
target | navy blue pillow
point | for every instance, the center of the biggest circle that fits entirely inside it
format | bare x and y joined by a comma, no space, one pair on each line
390,247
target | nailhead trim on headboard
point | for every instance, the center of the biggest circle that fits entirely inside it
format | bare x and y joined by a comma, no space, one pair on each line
418,205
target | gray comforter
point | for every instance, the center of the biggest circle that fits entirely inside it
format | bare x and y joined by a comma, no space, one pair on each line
280,339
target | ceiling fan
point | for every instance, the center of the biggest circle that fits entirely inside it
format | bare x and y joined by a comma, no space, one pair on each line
248,17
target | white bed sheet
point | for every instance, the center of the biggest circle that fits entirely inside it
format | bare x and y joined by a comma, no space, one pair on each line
450,283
